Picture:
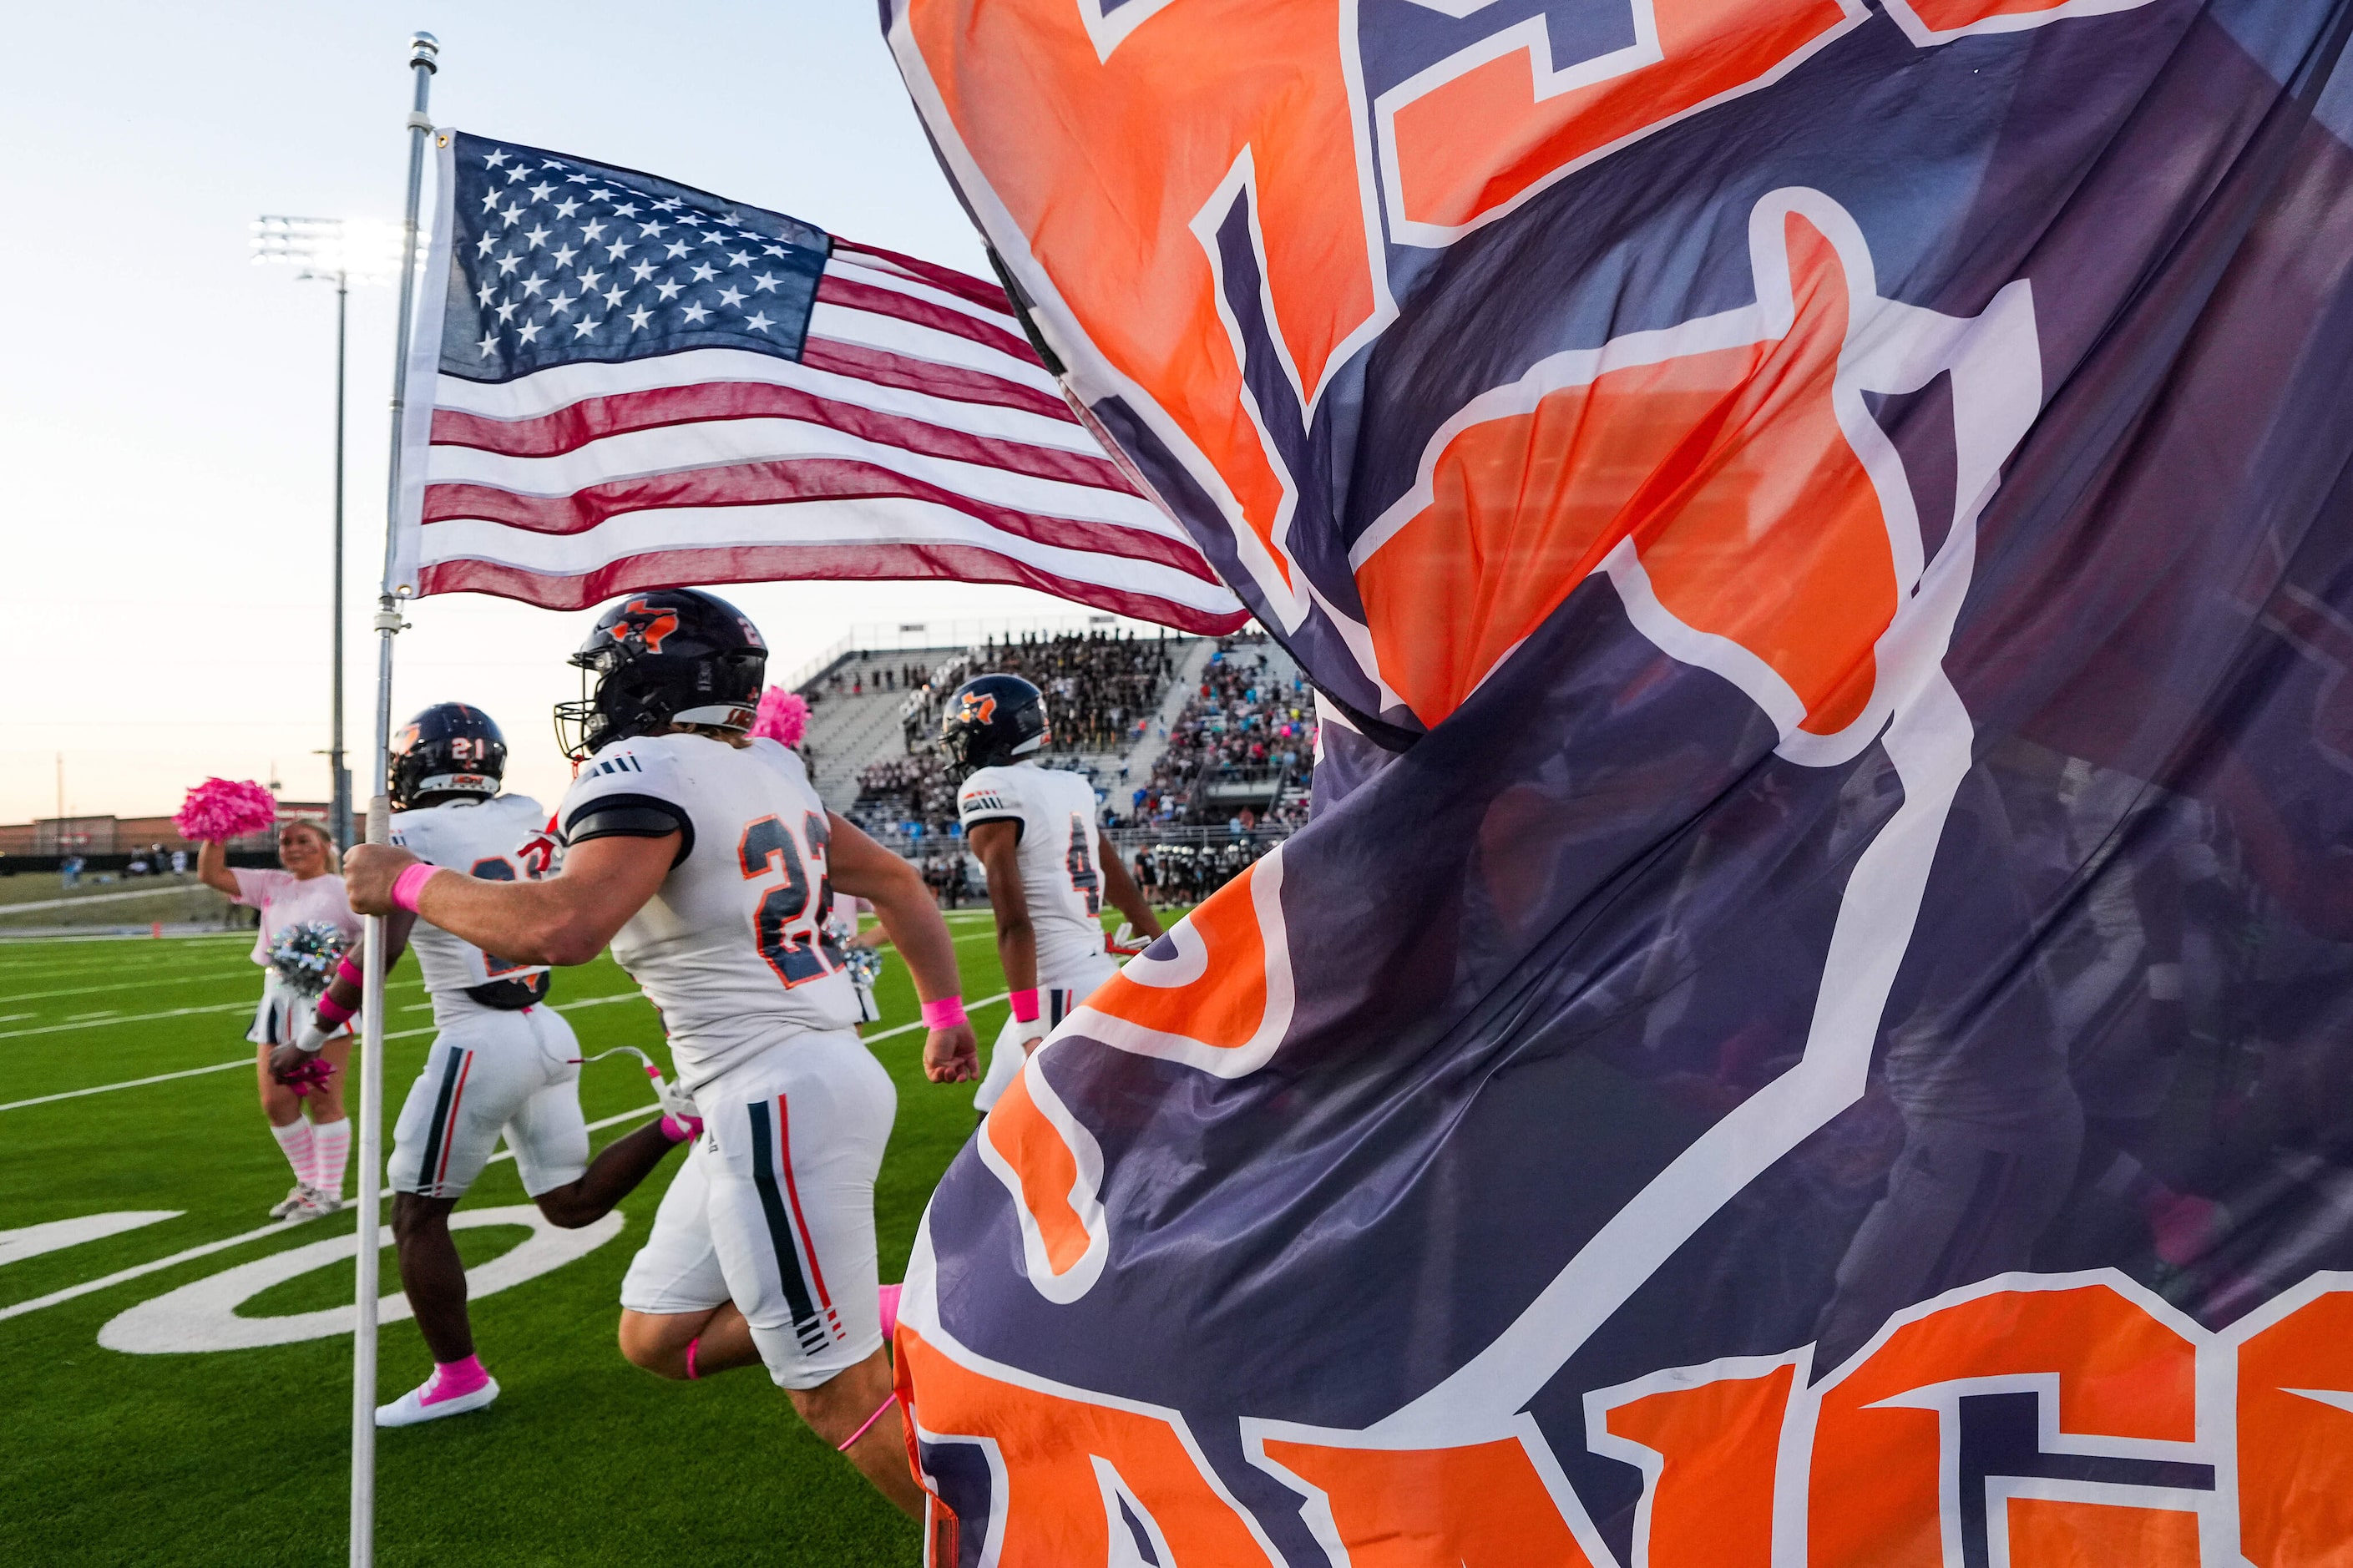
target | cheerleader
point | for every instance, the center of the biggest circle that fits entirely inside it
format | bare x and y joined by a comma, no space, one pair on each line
310,888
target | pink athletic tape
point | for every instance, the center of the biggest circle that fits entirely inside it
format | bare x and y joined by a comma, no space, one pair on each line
681,1129
331,1011
944,1014
346,970
691,1345
888,1299
1025,1005
868,1422
411,882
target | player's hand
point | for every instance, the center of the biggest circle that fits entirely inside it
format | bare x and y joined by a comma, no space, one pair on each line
369,872
292,1057
952,1055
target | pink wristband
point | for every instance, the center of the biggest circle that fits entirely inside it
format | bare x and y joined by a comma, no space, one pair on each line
410,883
331,1011
944,1014
1025,1005
346,970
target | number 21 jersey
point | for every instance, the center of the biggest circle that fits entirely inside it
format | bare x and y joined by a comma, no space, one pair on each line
492,840
731,948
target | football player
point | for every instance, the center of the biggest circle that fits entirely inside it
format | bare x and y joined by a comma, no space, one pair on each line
1033,830
707,860
503,1061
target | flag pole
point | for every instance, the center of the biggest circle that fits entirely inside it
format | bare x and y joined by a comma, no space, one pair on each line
424,49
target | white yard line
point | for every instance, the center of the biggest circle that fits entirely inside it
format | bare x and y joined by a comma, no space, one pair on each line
104,898
245,1007
129,1083
221,979
137,1270
395,1035
275,1227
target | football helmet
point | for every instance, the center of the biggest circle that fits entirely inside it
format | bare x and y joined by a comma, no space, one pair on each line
448,749
991,719
673,656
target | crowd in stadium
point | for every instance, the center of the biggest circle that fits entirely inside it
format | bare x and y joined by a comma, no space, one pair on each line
1099,686
1246,719
916,788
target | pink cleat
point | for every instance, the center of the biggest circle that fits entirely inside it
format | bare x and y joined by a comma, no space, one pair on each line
890,1299
455,1388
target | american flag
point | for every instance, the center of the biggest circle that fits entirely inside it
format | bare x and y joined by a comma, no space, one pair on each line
634,384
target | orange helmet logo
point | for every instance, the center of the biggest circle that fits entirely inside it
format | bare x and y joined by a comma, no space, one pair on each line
978,708
643,626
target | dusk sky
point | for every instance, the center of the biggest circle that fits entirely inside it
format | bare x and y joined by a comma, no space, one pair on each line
166,423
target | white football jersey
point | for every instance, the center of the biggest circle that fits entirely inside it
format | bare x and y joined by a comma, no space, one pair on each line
733,948
501,840
1061,856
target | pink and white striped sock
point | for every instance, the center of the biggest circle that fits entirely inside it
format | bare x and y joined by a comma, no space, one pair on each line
294,1139
331,1150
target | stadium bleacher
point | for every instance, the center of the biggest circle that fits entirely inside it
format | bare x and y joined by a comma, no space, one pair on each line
1177,733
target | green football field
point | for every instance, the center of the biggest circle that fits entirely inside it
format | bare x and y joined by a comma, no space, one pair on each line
191,1442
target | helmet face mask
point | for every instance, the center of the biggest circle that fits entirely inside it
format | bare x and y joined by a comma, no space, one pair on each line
671,657
448,749
992,719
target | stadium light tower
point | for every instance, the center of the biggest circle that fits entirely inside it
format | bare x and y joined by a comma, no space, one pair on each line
341,252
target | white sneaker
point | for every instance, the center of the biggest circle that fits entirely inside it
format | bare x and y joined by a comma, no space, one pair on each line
410,1409
310,1202
289,1202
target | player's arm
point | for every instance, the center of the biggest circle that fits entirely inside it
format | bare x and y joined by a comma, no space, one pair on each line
864,869
997,843
1127,897
340,1002
562,920
212,867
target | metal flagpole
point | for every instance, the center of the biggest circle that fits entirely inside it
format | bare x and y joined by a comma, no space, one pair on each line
339,766
423,51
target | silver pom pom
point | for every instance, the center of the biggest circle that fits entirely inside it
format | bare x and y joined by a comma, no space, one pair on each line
305,955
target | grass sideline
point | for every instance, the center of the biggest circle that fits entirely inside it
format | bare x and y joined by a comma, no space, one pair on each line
241,1457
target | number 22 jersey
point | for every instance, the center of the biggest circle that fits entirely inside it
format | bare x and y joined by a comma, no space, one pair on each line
731,949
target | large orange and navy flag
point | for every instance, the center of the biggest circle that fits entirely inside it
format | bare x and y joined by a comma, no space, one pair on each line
1813,1021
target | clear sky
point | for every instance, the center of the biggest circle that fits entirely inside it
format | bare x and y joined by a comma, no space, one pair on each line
166,408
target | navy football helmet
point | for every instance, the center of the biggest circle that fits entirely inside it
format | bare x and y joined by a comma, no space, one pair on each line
992,719
674,656
448,749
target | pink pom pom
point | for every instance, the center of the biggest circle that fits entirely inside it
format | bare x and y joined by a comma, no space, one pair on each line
783,716
218,809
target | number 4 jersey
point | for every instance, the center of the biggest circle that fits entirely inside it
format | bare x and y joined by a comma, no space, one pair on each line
731,949
1061,855
500,840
